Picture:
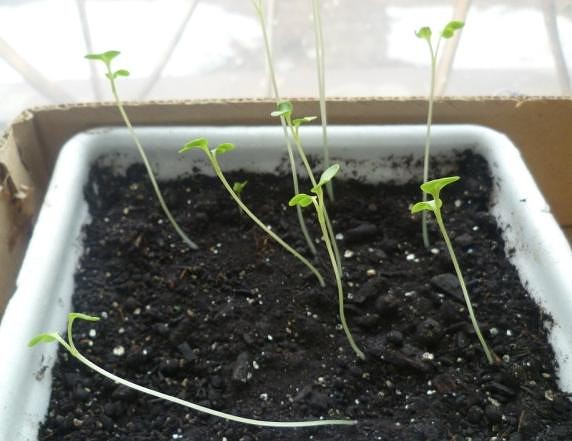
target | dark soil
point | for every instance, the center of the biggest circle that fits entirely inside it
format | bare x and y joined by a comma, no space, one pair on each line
241,326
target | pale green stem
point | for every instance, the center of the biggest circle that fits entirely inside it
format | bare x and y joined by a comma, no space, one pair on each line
258,222
320,209
148,167
424,217
319,37
75,353
270,63
491,357
332,236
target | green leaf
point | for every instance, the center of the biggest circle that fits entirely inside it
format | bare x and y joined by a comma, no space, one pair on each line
198,143
78,315
42,338
299,121
117,73
450,28
425,206
301,199
424,33
326,176
435,186
223,148
106,57
121,73
237,187
284,108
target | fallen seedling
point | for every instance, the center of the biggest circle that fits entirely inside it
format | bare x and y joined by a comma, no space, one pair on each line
106,58
212,155
434,188
69,345
425,33
303,200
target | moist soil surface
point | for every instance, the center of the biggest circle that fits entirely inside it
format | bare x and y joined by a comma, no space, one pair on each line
243,327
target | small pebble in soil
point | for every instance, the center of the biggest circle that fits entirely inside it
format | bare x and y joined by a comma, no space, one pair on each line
118,350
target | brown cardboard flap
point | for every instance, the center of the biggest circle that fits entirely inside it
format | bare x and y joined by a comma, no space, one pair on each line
538,126
18,204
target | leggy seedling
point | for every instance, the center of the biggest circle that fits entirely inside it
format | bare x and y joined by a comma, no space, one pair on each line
106,58
269,60
284,110
426,34
434,188
212,155
303,200
71,348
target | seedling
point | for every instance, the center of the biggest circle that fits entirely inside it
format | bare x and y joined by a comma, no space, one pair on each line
321,69
433,188
212,155
304,200
284,110
271,72
425,34
69,345
106,58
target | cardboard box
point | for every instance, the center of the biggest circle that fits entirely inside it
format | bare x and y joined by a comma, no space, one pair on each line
29,148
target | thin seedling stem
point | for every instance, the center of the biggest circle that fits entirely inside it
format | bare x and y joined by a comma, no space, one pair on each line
491,358
320,64
70,347
148,167
258,222
330,229
424,215
319,205
270,63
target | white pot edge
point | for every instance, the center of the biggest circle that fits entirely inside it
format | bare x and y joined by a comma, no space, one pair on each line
543,256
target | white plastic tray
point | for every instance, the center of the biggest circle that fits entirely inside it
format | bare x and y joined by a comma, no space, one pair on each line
45,283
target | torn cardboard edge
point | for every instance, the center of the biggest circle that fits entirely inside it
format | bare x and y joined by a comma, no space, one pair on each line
539,126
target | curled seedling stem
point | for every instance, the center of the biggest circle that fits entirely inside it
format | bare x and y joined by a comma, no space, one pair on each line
258,7
425,33
212,155
284,110
70,347
317,200
434,188
106,58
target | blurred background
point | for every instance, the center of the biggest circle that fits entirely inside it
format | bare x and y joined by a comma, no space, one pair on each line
189,49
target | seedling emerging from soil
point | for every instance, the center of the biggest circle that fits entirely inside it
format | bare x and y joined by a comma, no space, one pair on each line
433,188
212,155
321,68
284,110
425,34
260,13
106,58
70,347
303,200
